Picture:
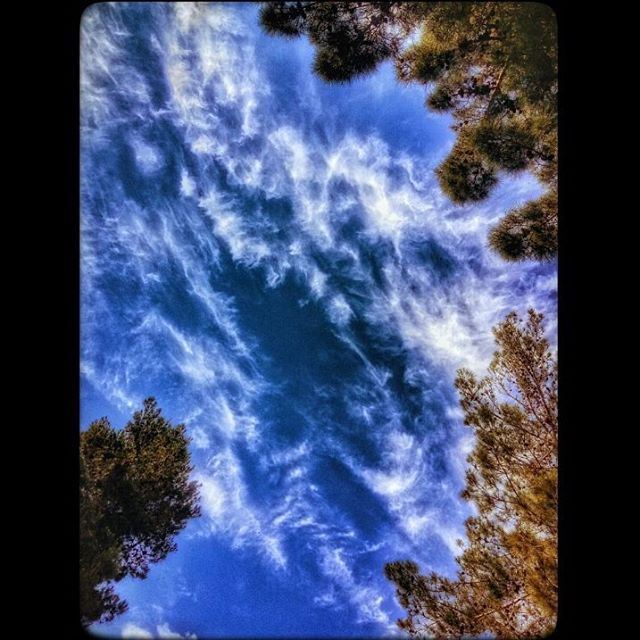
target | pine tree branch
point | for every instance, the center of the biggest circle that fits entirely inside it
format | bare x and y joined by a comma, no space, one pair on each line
497,87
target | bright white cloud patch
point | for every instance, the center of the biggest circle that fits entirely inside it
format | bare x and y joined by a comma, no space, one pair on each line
131,631
164,631
187,184
339,310
148,157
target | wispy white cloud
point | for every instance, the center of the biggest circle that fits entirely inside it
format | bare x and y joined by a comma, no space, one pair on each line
365,598
229,226
110,384
226,65
230,512
199,438
404,481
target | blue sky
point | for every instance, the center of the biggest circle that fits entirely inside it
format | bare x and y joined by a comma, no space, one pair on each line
272,259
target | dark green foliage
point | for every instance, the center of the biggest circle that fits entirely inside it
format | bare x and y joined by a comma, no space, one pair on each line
343,50
424,65
441,99
507,145
529,232
507,578
492,65
135,496
466,176
283,18
350,57
351,38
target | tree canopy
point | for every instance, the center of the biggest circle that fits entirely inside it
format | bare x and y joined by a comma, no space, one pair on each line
135,496
492,65
507,579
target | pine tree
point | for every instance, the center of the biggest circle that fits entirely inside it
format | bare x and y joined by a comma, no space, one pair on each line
351,38
529,231
492,65
135,496
507,579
